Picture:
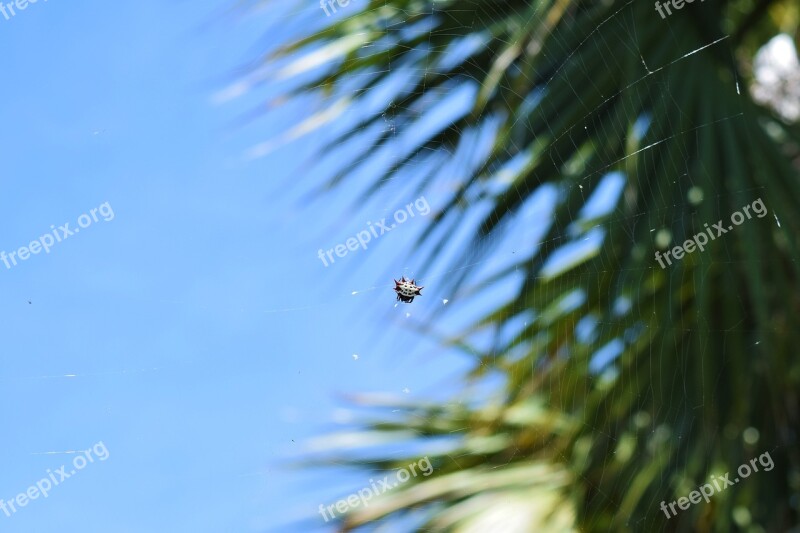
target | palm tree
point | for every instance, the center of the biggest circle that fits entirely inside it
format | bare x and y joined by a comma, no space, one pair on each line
625,384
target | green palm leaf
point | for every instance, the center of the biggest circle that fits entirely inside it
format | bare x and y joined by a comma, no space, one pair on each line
706,377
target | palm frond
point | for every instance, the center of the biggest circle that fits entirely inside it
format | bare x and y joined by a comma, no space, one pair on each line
705,347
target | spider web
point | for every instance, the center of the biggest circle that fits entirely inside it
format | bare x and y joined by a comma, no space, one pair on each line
465,276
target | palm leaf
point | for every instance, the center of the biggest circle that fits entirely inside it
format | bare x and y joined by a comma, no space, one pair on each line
705,347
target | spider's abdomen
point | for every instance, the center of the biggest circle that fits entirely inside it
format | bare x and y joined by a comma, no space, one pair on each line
406,290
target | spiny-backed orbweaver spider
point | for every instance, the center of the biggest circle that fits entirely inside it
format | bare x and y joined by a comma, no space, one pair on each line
406,290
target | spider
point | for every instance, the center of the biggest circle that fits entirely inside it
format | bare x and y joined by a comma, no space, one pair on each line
406,290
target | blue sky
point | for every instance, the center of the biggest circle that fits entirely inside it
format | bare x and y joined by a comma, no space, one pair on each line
197,334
